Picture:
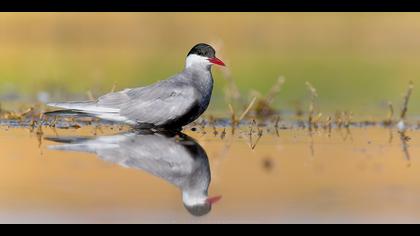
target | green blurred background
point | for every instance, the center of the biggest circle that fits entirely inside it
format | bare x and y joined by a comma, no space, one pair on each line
357,61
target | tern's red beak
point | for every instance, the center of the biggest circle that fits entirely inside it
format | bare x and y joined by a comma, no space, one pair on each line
213,200
217,61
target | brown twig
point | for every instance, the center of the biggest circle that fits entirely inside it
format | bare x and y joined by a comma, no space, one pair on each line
276,125
390,117
247,109
407,100
90,95
314,96
274,91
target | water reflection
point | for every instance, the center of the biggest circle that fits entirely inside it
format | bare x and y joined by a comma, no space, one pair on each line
174,157
405,146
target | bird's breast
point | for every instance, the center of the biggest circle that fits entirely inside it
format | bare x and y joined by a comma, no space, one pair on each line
205,89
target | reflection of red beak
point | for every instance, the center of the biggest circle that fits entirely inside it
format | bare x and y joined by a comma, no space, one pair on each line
213,200
216,61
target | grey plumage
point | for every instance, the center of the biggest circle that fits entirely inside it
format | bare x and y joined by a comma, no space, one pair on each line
171,103
177,159
174,157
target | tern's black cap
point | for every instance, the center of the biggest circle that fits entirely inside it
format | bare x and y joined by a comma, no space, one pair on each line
199,210
204,50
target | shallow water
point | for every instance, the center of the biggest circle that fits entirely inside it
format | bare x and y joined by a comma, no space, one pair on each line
365,175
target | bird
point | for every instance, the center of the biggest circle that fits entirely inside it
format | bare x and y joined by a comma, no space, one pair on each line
172,156
168,104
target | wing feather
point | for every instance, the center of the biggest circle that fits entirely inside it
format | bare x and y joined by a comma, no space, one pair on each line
157,104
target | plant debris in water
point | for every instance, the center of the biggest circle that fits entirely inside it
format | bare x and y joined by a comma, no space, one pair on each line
31,117
402,123
264,104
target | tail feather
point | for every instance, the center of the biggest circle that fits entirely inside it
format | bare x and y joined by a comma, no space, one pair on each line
83,144
70,113
68,140
74,148
87,107
76,144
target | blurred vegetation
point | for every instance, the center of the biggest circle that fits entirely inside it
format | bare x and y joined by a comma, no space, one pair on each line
357,61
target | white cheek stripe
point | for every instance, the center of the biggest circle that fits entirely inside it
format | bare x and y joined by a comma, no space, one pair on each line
193,200
194,59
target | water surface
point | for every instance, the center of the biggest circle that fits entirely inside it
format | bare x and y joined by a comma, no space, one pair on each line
114,176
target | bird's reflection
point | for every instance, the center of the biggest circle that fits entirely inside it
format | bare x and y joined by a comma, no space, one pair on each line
174,157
